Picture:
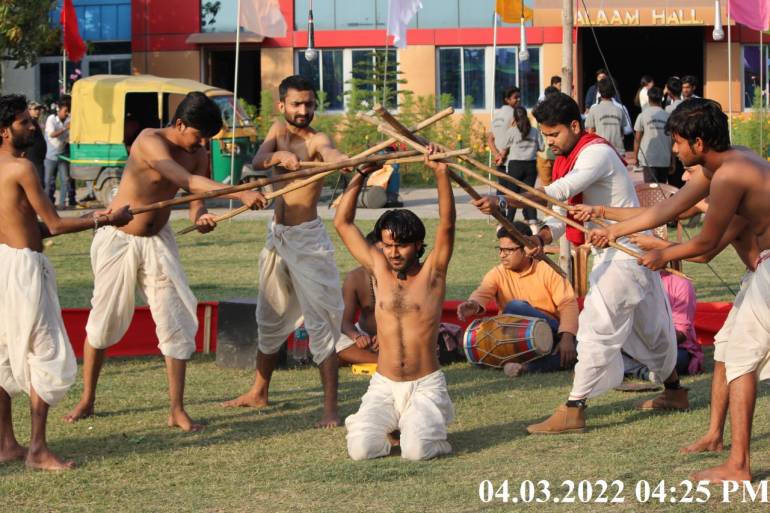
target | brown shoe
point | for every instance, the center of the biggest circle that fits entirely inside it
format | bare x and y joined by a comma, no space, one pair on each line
566,419
668,400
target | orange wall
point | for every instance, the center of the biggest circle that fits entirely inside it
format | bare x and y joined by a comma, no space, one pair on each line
184,64
715,70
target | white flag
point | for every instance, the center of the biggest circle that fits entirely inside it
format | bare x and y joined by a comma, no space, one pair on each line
262,17
400,13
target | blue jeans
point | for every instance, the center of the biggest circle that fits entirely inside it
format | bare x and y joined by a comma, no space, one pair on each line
62,169
394,184
552,362
634,369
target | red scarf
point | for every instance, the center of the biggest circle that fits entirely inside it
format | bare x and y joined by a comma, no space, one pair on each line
564,164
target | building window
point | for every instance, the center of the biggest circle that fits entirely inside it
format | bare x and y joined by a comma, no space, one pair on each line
463,72
368,14
333,70
326,74
511,71
754,77
50,71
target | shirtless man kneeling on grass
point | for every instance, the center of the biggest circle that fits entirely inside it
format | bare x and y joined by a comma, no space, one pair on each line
409,391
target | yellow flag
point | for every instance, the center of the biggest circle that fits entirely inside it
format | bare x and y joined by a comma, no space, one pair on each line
511,11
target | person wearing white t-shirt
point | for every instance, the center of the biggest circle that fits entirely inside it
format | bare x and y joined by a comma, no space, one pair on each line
642,99
57,137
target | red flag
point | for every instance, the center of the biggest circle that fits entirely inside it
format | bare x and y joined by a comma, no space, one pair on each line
73,43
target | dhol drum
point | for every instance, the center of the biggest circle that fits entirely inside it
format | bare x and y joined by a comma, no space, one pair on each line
495,341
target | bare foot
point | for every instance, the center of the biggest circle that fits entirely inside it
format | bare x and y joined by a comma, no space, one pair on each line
329,420
247,400
724,472
44,459
13,453
706,443
83,410
180,419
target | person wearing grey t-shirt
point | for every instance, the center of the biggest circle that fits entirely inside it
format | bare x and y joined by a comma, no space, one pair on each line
524,141
501,122
652,145
605,118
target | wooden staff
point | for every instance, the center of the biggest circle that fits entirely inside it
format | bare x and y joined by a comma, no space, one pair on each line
318,173
415,140
294,175
535,192
404,160
518,197
302,183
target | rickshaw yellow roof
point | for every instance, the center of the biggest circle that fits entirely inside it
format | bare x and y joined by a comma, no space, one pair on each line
98,103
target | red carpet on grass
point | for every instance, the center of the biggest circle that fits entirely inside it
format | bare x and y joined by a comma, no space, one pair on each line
140,340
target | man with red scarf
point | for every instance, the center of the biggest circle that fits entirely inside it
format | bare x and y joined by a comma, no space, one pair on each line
626,307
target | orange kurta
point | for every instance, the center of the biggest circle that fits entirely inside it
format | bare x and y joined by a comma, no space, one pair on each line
539,285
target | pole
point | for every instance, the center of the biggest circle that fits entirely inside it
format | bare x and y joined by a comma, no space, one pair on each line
567,23
729,71
235,93
494,93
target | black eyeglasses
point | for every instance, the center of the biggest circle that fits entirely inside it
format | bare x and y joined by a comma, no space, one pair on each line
507,251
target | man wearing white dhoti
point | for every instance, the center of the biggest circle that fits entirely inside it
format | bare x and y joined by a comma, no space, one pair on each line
298,278
35,354
408,393
144,252
738,234
626,307
737,181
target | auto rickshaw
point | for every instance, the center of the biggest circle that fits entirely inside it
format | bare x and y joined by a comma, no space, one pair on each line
109,111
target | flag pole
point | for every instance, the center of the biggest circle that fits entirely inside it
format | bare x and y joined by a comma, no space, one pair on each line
494,96
235,93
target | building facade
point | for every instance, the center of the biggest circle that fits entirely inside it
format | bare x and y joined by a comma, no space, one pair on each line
106,27
450,47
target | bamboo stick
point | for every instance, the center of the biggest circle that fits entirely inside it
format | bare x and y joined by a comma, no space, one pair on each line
411,140
397,133
317,173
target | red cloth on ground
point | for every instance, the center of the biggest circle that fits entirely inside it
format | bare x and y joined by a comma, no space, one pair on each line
563,165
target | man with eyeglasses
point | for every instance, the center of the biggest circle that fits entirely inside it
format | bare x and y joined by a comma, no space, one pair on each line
521,285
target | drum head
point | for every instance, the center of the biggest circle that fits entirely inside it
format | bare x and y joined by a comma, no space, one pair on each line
542,337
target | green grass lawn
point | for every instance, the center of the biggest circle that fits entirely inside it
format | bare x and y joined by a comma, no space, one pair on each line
273,460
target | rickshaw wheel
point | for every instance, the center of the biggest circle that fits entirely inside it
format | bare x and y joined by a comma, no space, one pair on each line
108,191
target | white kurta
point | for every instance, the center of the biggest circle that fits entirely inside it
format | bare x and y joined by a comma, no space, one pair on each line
420,409
121,262
299,282
35,352
626,307
748,348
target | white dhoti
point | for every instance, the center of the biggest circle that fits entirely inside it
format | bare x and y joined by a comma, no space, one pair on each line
121,262
420,409
748,348
35,352
625,308
299,282
725,332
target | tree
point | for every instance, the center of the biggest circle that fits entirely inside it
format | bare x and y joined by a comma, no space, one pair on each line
26,32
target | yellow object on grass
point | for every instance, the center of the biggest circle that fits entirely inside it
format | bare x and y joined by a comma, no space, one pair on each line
366,369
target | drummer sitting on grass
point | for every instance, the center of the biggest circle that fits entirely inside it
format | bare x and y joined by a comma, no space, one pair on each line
523,286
